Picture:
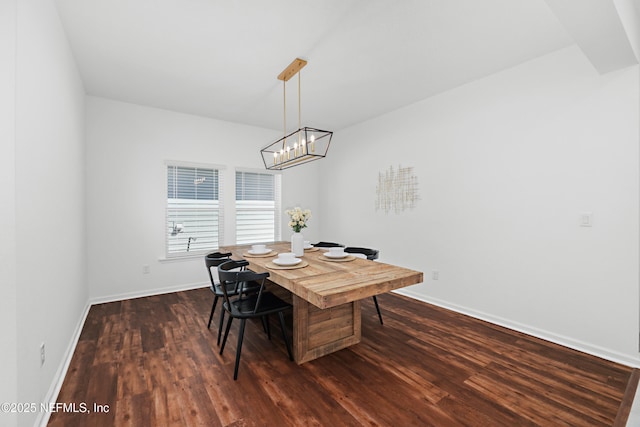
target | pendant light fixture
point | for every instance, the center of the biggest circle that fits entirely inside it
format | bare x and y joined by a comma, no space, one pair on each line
301,146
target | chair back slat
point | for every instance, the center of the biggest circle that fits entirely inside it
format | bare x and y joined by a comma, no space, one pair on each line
328,245
214,259
234,273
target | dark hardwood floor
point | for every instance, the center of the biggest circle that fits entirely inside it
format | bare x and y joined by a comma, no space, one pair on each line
153,362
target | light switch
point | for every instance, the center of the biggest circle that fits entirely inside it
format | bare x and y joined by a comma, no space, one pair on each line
586,219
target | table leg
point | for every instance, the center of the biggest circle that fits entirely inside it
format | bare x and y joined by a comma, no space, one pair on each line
317,332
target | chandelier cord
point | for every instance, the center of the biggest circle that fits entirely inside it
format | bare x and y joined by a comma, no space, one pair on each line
284,94
299,108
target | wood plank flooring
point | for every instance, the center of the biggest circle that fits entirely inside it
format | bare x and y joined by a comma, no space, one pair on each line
153,362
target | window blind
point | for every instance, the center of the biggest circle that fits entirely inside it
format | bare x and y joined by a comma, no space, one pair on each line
257,207
194,210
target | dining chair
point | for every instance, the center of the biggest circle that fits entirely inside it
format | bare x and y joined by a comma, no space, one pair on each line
214,260
370,254
327,245
259,304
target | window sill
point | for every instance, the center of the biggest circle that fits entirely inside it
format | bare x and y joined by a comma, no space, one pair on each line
181,258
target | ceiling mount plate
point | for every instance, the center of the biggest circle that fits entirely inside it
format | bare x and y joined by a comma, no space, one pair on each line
292,69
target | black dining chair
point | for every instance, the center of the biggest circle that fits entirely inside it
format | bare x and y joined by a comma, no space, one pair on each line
259,304
370,254
214,260
327,245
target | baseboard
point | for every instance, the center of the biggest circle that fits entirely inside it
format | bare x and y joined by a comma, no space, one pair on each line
148,293
584,347
61,373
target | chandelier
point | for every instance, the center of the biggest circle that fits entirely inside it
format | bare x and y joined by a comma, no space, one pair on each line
301,146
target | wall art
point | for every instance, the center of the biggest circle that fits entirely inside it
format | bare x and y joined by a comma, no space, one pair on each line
397,190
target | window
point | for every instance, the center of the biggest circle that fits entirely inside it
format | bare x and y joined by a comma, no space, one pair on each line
257,207
194,210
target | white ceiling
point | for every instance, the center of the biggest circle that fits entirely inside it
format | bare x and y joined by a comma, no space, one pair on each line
220,59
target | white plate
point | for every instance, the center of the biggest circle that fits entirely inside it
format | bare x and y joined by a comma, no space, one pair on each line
279,261
309,247
342,255
252,252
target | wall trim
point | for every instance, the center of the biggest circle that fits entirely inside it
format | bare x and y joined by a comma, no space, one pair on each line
61,373
148,293
562,340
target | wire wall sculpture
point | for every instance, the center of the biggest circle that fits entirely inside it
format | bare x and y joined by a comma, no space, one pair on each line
397,190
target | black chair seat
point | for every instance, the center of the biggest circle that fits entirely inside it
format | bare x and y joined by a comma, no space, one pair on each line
245,287
269,304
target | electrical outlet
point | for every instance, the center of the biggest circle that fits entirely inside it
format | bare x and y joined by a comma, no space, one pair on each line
42,355
586,219
435,275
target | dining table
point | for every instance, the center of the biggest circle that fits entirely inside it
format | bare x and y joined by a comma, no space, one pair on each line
325,293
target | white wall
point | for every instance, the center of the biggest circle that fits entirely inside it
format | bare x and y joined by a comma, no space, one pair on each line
505,167
8,356
301,187
49,201
127,146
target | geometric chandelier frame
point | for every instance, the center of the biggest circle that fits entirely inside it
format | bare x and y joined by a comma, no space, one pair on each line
314,144
298,147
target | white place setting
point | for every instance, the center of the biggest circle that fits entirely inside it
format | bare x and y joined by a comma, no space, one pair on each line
287,260
337,254
308,247
260,250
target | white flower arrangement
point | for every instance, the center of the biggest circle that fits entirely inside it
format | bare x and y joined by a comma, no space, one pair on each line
298,218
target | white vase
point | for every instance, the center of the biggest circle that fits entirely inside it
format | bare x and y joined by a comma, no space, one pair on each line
297,243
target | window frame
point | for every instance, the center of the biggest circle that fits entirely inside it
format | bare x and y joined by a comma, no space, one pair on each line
221,171
277,175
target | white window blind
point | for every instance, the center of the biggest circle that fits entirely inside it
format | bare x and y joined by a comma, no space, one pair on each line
257,207
194,210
